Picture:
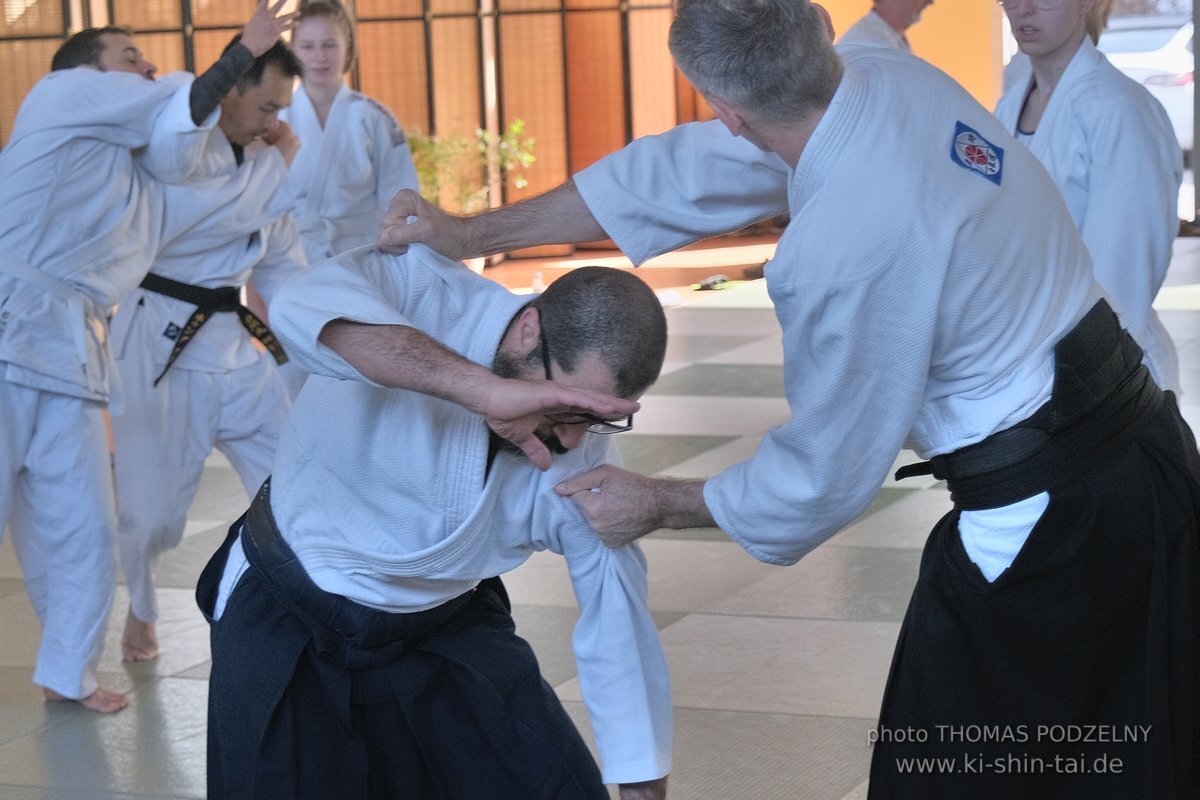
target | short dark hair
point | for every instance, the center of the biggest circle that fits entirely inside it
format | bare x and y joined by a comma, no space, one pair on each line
84,48
608,313
279,55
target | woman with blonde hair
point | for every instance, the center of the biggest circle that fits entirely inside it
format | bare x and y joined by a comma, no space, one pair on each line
1109,146
354,156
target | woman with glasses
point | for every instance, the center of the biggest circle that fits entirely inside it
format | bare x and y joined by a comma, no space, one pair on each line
1109,146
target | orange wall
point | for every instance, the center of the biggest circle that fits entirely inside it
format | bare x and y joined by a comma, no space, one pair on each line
959,37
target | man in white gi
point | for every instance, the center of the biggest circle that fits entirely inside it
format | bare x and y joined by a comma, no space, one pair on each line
1064,587
359,637
884,25
80,221
190,372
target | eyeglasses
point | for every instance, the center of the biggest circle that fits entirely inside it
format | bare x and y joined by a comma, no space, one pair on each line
595,424
1040,5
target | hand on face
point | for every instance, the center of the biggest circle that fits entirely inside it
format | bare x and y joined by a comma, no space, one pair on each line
282,137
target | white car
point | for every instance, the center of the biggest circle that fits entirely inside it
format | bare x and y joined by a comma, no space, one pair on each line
1157,53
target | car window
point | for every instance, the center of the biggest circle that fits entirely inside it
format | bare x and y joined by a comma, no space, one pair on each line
1135,40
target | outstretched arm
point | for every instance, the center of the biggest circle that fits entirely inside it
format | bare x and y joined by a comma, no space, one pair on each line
262,30
557,217
405,358
622,506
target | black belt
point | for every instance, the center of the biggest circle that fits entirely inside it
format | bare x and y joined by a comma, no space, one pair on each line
207,303
1101,394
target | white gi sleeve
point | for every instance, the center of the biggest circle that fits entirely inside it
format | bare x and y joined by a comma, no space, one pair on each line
393,162
622,670
283,259
859,327
176,143
347,287
662,192
118,108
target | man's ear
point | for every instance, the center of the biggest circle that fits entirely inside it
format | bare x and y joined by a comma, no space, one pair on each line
727,114
828,20
524,334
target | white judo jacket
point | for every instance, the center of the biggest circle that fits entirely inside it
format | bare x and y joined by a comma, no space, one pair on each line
874,30
1109,147
345,173
385,495
81,217
226,223
914,311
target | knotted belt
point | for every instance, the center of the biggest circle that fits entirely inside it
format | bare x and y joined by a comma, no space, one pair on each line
207,303
1101,395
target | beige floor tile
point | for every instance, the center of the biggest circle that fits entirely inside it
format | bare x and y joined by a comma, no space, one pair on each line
710,416
717,459
765,351
154,748
182,636
838,583
771,665
905,523
696,576
9,568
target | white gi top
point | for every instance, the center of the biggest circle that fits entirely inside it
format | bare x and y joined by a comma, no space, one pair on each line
874,30
345,173
1109,146
382,492
74,207
221,226
921,283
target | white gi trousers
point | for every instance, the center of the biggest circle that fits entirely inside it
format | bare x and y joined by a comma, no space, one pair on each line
163,439
56,492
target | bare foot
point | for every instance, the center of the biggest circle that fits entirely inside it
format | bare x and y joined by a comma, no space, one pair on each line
102,701
139,641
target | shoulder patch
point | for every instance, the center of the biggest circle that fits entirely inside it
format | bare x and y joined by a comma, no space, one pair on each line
397,135
971,151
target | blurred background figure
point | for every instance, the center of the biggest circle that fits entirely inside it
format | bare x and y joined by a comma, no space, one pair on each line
1110,148
354,156
884,25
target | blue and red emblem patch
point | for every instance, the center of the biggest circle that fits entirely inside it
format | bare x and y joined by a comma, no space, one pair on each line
971,151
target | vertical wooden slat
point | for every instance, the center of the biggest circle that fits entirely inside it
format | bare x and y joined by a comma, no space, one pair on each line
653,91
392,68
220,13
532,88
595,86
368,9
36,18
22,63
208,45
147,14
456,76
164,50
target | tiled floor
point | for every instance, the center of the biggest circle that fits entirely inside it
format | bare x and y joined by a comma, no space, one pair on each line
777,673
